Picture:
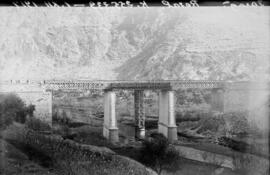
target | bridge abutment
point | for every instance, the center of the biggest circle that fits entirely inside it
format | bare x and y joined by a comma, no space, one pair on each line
110,129
139,114
166,123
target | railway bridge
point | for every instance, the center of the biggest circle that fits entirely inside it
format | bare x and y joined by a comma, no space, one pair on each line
225,96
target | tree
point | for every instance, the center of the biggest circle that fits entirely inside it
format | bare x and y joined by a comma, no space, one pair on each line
12,108
157,153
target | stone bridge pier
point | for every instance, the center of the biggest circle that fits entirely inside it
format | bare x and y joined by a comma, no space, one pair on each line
110,129
166,120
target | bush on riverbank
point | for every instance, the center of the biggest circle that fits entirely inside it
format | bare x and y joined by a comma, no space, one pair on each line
158,154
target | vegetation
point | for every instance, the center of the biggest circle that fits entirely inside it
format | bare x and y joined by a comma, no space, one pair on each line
155,152
70,157
12,108
222,124
37,124
58,153
158,154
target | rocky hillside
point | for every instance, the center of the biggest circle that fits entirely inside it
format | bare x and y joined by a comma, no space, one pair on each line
135,43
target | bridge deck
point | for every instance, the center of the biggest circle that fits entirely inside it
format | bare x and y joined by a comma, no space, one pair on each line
120,84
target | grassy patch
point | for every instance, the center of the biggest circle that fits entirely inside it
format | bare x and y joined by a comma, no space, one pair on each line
14,161
82,158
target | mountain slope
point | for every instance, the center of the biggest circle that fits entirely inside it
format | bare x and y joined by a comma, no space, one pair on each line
135,43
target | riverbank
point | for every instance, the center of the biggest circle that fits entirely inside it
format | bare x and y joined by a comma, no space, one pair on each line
68,156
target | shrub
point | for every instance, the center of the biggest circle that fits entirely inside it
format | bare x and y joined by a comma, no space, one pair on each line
12,108
234,144
235,123
212,124
157,153
224,124
37,125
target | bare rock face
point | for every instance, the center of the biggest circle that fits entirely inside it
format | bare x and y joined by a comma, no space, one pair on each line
136,43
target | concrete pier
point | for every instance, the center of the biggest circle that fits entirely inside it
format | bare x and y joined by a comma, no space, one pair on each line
110,129
166,124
